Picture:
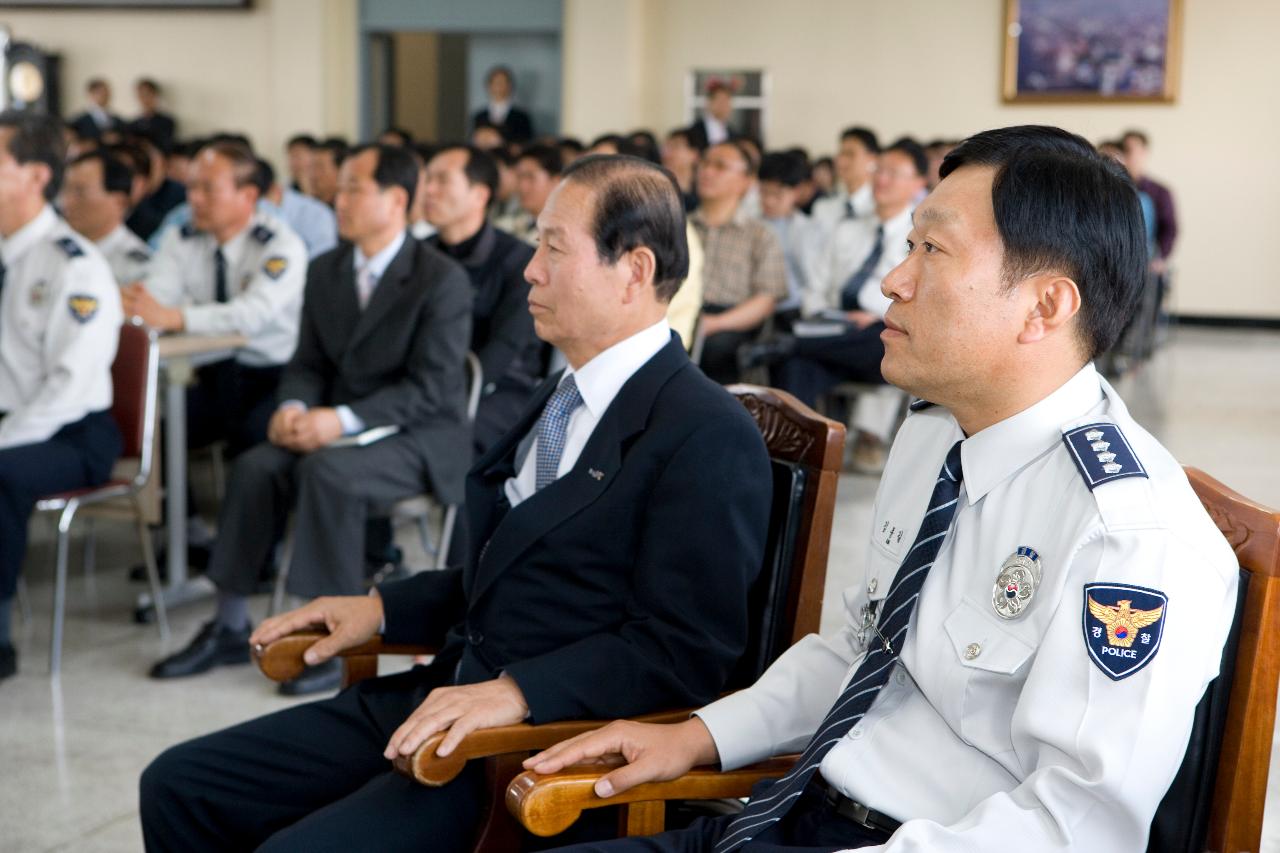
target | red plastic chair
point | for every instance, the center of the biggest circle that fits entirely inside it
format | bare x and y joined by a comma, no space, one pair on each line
135,388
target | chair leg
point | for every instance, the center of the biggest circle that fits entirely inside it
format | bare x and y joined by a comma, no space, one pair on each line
446,536
60,586
153,572
282,572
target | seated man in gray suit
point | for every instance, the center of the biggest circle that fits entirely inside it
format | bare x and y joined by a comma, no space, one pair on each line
382,342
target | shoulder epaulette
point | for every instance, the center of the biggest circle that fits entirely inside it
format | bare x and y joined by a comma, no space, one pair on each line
262,234
1102,454
139,255
189,230
920,405
70,246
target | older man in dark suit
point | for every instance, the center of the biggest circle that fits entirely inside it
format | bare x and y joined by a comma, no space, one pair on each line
621,524
385,325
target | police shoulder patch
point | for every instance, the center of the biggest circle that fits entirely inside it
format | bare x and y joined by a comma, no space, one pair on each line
275,266
262,234
1122,626
82,306
71,247
1102,454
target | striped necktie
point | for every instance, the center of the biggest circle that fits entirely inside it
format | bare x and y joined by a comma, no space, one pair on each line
873,673
553,427
849,293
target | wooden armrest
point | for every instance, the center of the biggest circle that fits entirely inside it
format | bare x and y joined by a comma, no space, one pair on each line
430,769
282,660
548,805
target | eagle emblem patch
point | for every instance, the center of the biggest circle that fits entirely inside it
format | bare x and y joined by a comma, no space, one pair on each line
82,307
1122,626
275,266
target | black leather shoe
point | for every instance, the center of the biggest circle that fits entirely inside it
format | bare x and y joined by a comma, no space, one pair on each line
8,661
215,645
320,678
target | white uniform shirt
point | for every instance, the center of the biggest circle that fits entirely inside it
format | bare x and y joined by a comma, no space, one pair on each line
599,381
127,254
832,210
1006,735
266,272
60,318
849,246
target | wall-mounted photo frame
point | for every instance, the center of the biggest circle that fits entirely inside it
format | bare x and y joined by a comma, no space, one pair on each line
1099,51
750,89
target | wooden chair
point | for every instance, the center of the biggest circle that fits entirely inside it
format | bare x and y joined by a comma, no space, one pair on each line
806,451
1216,800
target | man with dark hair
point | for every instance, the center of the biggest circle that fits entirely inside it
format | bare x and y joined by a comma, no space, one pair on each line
94,199
98,118
680,156
326,157
713,126
500,113
743,273
59,326
571,148
803,241
855,164
299,150
157,126
310,218
537,172
396,136
581,602
459,184
383,337
1136,151
1045,598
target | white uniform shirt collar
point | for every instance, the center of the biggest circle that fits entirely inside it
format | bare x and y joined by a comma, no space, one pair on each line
13,247
601,378
118,236
233,249
996,452
897,224
378,264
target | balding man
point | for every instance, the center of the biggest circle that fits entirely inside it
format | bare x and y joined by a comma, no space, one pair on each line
581,602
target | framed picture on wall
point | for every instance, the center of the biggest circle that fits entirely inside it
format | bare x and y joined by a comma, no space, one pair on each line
1092,50
750,90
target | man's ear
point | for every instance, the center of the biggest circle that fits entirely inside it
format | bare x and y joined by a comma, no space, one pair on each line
641,265
1055,299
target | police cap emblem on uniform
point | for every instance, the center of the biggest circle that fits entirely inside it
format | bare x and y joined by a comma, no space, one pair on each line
82,307
1017,583
262,234
1122,626
275,266
1102,454
71,247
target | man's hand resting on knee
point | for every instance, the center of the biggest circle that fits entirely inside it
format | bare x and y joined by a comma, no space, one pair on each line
350,620
461,710
653,753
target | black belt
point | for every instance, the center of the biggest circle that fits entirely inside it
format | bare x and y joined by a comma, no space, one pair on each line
857,812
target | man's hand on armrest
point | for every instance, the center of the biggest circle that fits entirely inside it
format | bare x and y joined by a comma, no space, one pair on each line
461,710
653,753
349,619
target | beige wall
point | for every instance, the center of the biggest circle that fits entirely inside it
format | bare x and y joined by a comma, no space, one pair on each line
283,67
932,68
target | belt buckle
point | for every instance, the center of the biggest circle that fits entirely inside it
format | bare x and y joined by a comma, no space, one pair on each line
859,814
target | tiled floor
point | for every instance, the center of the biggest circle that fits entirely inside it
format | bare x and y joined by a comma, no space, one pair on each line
71,753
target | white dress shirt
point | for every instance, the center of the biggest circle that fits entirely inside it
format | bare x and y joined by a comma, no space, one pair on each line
1005,734
599,381
849,246
717,131
832,210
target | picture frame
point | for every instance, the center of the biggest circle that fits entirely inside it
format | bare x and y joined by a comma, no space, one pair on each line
1092,51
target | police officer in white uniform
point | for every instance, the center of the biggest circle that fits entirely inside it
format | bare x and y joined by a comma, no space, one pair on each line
95,201
231,270
1071,597
59,327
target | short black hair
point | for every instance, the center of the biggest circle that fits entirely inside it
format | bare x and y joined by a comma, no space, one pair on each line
38,139
301,139
244,165
636,203
693,140
335,146
1134,134
548,158
505,71
571,143
784,167
1060,206
644,144
481,167
613,139
865,135
748,156
397,167
406,138
137,156
908,146
148,83
264,176
117,173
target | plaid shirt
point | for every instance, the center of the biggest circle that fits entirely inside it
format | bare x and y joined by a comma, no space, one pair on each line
741,259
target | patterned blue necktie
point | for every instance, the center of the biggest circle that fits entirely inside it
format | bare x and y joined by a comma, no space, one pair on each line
872,674
552,427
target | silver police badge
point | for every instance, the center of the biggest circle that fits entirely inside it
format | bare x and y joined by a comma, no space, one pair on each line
1017,583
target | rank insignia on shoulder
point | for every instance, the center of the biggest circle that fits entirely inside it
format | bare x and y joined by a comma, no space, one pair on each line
138,256
262,234
71,247
188,230
274,267
82,307
1122,626
1102,454
920,405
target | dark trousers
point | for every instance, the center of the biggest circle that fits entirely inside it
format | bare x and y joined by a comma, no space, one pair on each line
78,455
231,402
810,826
331,491
820,363
311,778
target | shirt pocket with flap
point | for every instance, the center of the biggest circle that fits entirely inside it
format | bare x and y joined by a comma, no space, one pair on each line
990,667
